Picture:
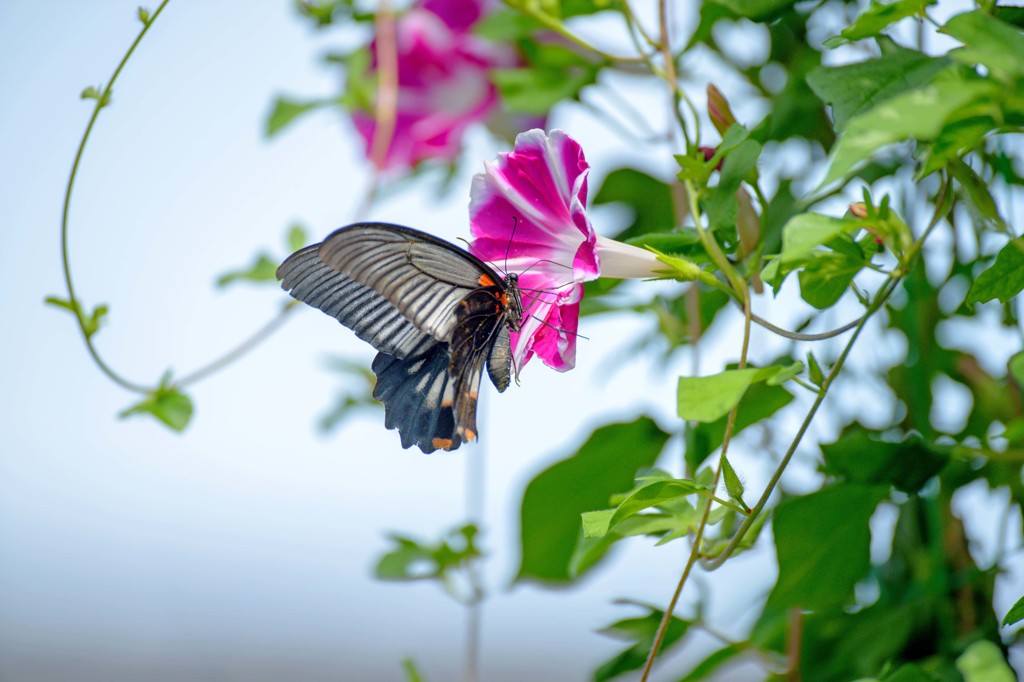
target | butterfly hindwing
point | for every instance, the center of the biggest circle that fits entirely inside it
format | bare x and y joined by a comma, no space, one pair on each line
418,395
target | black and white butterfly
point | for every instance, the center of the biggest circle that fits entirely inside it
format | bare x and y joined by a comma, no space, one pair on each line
436,313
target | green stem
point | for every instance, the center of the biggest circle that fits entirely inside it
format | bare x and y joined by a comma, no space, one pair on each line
101,101
743,292
941,208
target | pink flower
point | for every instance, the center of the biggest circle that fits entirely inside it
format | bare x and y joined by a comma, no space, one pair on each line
527,214
443,82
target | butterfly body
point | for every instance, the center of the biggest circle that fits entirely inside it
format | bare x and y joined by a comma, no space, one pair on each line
437,315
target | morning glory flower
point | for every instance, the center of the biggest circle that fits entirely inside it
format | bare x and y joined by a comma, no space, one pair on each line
528,216
444,85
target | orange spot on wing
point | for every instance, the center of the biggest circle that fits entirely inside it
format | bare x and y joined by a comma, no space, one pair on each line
504,300
485,280
442,443
470,434
446,403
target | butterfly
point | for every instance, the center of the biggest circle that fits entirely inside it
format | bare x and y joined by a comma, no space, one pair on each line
435,313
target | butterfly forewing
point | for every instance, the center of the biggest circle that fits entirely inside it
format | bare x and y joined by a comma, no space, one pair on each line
423,277
372,317
436,313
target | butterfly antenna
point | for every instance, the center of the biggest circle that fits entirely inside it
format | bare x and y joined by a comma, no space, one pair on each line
508,247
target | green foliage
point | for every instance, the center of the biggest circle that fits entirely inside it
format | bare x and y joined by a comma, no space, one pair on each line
553,74
166,403
555,498
1004,279
90,321
412,559
706,399
640,631
861,456
762,401
822,534
1015,614
654,490
877,18
263,268
285,111
412,671
359,381
984,662
649,199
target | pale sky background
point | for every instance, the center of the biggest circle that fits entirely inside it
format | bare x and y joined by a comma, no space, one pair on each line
243,548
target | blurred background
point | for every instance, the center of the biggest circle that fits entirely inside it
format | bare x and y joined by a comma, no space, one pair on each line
243,548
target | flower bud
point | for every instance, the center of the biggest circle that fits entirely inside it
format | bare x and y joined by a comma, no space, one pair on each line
719,111
859,210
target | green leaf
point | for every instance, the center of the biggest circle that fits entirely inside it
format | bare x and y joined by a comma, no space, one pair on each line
411,559
908,673
297,236
983,662
1004,279
852,89
826,277
596,523
263,269
785,374
860,456
977,191
641,631
822,541
762,401
555,498
1016,366
649,494
144,16
739,164
91,92
814,372
166,403
877,18
554,73
703,670
705,399
987,41
918,114
90,321
756,10
412,672
649,198
286,110
1015,614
805,232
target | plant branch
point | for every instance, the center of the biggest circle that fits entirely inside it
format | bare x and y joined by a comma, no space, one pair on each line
941,208
102,99
257,337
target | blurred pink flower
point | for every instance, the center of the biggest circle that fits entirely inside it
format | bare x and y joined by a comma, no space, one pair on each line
527,214
443,82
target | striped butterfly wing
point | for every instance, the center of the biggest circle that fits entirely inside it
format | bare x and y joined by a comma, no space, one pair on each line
435,313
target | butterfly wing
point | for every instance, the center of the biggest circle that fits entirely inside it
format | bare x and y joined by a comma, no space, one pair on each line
418,396
372,317
434,311
425,278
